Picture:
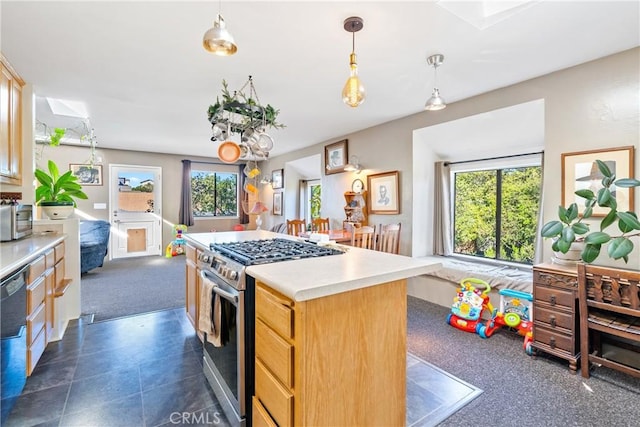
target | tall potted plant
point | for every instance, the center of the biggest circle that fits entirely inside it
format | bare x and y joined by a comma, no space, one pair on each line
570,226
57,193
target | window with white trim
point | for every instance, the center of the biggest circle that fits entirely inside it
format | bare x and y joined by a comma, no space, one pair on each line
214,193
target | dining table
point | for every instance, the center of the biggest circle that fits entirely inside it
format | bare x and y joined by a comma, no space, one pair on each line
339,236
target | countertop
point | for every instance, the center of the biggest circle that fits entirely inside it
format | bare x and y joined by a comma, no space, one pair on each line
311,278
17,253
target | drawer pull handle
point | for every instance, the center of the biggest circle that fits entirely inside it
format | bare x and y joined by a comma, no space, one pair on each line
553,300
552,320
552,342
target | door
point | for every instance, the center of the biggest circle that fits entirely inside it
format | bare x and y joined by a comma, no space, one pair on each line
136,210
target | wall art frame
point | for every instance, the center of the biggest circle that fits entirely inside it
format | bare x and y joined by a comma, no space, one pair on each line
87,174
336,157
277,179
277,203
384,193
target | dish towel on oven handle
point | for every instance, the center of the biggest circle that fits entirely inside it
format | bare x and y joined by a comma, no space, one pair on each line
210,319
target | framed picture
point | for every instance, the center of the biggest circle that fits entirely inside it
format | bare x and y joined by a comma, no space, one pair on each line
87,174
277,203
384,193
336,157
580,171
276,178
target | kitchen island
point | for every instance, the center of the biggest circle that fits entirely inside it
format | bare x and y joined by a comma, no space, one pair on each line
330,335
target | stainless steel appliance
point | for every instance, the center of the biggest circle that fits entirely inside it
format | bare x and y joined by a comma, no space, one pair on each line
13,316
229,368
16,221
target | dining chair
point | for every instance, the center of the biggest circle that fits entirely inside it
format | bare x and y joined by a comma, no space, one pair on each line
320,224
296,226
388,238
364,237
609,301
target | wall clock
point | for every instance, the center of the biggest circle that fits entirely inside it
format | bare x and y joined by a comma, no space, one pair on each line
357,186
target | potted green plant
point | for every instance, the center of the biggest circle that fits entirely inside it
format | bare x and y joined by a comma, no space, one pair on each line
57,193
570,226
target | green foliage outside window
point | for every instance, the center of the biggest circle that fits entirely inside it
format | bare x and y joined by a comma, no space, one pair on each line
214,194
479,213
316,201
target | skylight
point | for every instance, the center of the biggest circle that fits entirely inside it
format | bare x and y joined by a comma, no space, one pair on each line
63,107
483,14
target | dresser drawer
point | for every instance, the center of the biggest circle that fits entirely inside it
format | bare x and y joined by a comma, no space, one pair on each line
35,294
555,339
275,398
275,311
261,417
275,353
554,296
36,268
58,252
35,323
557,278
554,318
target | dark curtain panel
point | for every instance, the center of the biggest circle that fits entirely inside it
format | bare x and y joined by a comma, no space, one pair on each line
186,210
244,196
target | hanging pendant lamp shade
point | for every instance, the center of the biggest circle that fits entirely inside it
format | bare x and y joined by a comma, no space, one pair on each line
353,93
436,102
218,40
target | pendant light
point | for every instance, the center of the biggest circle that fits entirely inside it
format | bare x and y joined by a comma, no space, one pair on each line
436,102
217,39
353,92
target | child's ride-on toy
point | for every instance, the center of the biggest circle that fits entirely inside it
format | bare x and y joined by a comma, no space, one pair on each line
515,312
468,305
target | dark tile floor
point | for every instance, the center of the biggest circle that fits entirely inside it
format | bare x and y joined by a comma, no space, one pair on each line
146,370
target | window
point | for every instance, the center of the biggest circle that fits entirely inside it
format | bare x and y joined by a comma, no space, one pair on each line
214,194
495,212
315,198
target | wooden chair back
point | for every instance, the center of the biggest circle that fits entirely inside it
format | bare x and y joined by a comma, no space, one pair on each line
609,306
320,224
364,237
296,226
389,238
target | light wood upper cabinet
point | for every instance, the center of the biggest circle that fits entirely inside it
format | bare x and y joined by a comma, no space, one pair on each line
10,124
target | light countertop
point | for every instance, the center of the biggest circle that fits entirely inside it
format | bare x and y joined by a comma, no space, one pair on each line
311,278
17,253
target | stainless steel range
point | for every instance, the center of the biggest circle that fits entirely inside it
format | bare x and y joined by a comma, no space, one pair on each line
229,364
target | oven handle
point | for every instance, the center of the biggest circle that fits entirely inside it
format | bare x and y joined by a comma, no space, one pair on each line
233,297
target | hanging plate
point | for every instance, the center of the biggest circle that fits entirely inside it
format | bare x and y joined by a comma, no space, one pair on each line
229,152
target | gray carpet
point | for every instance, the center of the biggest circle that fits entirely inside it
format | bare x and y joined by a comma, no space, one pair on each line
518,390
127,286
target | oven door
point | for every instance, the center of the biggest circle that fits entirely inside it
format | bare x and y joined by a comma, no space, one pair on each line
224,365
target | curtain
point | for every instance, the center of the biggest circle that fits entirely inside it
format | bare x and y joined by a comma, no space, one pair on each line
442,236
538,242
243,216
186,210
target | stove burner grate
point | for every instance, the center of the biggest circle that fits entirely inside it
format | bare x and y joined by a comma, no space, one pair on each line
254,252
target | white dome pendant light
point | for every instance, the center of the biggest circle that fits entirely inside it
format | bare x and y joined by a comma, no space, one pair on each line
353,93
436,102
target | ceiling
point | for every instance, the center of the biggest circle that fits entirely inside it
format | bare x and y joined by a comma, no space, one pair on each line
147,82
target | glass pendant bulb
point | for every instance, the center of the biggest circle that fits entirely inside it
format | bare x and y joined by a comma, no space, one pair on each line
353,93
218,40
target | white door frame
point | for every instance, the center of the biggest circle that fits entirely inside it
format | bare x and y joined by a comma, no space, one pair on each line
123,222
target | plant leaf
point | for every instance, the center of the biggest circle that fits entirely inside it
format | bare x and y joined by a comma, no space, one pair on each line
586,194
628,222
53,170
604,196
580,228
572,212
597,237
587,212
627,183
620,247
603,168
608,220
568,235
551,229
590,253
563,245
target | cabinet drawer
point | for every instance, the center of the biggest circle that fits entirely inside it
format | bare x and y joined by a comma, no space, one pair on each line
554,318
261,417
192,253
58,275
553,338
554,296
35,350
58,252
275,353
275,311
275,398
35,323
36,268
35,294
50,259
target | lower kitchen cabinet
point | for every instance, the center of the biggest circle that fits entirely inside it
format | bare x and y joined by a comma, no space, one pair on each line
335,360
192,297
555,312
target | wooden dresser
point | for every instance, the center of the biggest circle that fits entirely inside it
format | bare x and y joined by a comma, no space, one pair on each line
555,312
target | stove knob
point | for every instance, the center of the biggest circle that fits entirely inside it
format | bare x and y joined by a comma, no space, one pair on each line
222,270
233,275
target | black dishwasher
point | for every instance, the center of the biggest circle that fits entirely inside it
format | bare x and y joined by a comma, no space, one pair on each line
13,314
